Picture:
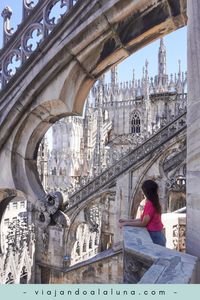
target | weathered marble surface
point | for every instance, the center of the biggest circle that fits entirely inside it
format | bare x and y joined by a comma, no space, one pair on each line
193,129
165,265
106,267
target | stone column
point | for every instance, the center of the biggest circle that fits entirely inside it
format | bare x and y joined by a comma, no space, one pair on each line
193,129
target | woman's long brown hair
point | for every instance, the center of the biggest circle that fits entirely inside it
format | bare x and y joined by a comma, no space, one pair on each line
150,190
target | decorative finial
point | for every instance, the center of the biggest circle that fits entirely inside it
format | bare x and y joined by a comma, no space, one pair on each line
6,13
114,76
7,30
162,42
179,63
162,57
143,72
146,68
133,74
102,79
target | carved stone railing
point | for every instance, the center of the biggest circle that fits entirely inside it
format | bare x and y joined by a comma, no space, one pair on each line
175,160
129,160
37,23
124,103
148,263
180,99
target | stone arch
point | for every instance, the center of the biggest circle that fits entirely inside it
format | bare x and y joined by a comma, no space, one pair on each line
25,266
176,195
84,247
26,143
180,146
71,233
54,171
77,217
24,275
136,195
10,278
61,97
135,122
177,191
90,242
10,270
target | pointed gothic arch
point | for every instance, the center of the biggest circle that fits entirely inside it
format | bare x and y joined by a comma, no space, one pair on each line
24,275
54,171
10,278
90,243
78,248
84,246
135,123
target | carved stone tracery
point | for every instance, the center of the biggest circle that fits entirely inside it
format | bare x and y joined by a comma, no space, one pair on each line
45,15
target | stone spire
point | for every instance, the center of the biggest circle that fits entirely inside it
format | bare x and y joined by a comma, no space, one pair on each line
162,57
162,78
133,79
114,76
146,80
179,83
98,151
133,84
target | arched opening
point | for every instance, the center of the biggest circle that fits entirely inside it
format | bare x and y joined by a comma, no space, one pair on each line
78,248
24,276
135,123
90,243
10,278
84,246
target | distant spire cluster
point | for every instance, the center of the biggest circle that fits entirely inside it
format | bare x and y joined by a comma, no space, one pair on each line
144,87
117,117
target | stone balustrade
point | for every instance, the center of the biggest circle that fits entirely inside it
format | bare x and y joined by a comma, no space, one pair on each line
145,262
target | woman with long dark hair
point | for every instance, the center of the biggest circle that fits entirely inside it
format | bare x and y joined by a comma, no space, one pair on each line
151,216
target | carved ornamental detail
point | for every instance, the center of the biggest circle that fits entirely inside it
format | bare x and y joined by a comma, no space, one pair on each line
179,232
38,20
134,268
17,261
49,211
128,160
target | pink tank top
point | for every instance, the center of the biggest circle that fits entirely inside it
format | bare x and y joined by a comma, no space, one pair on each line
155,223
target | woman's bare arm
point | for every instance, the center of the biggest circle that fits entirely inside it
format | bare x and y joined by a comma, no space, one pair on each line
135,222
